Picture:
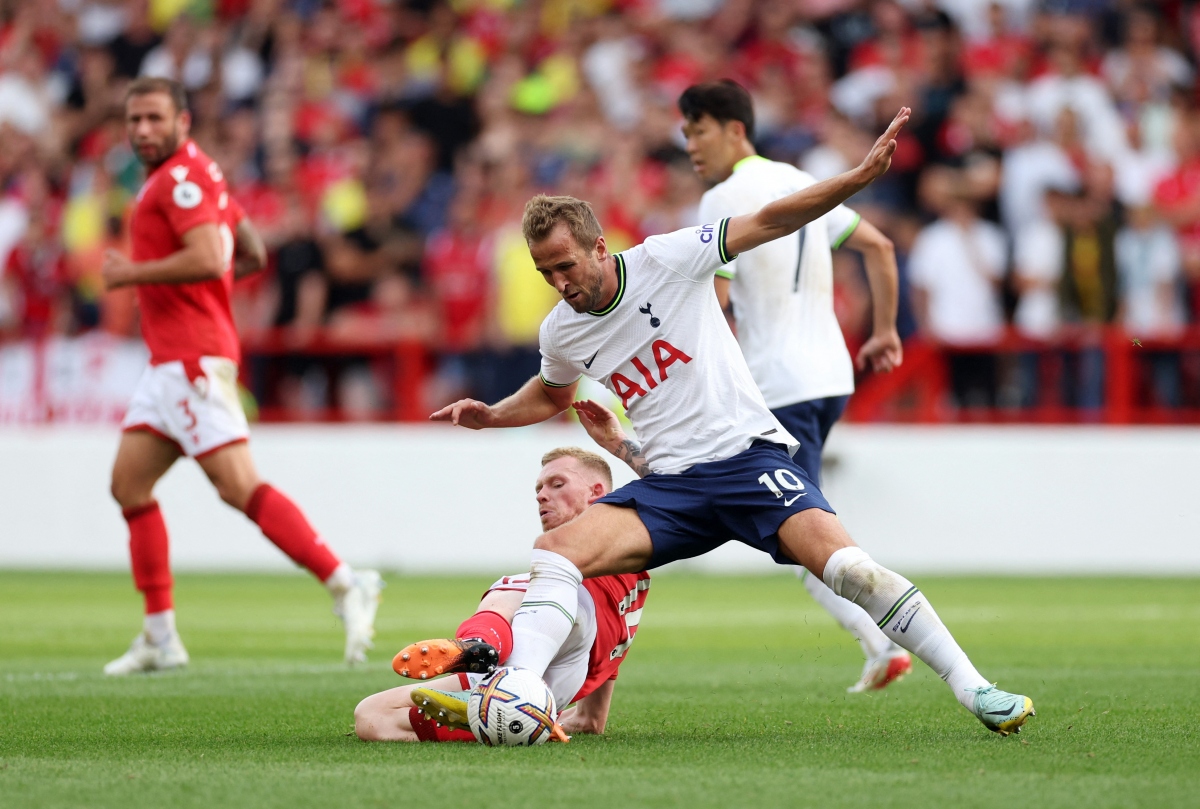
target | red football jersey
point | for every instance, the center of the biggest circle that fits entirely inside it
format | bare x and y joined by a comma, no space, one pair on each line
191,320
619,600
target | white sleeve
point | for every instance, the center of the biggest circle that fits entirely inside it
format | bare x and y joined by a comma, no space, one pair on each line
922,261
840,222
1165,261
1038,252
694,253
996,250
556,372
713,208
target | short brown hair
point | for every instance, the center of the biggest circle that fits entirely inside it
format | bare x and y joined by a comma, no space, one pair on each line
543,213
589,459
156,84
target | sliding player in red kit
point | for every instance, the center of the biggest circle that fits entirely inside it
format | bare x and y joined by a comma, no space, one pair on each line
189,240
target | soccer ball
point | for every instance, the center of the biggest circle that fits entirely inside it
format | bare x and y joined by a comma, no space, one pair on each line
512,708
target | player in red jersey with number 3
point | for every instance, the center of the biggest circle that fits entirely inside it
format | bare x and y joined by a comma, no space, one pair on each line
189,240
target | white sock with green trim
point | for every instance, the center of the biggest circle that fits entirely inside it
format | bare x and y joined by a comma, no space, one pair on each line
850,616
545,618
905,615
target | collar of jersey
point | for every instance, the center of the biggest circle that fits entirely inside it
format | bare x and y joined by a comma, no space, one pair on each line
747,161
620,289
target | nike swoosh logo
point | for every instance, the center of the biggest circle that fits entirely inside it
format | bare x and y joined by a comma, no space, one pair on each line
588,364
914,615
1011,708
794,499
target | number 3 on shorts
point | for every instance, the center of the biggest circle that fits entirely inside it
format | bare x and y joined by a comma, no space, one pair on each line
787,480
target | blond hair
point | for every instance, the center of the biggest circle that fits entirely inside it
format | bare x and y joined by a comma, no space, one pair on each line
543,213
589,459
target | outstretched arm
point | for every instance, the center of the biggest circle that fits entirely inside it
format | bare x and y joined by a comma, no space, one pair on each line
787,215
201,259
883,351
533,403
605,429
590,714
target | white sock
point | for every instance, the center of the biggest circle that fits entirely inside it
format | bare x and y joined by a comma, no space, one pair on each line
546,616
905,615
340,580
850,616
159,626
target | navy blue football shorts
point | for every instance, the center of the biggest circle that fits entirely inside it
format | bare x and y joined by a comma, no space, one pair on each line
810,423
746,497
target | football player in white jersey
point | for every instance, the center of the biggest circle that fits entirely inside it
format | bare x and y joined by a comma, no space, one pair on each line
782,299
647,325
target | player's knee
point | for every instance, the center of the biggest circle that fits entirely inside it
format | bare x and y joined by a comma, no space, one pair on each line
235,492
366,724
549,541
126,493
849,572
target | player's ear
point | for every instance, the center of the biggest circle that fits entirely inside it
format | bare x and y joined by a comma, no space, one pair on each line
601,248
596,492
185,121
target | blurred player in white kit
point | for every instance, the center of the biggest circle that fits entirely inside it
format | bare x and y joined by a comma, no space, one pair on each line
782,298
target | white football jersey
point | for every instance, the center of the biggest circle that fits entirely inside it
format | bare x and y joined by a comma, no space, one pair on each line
663,347
782,291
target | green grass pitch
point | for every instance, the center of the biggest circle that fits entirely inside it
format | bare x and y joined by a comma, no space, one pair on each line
733,696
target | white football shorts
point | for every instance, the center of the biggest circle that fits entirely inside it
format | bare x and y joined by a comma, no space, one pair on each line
568,670
200,415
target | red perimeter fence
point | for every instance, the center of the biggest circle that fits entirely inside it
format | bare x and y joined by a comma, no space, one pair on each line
1088,376
1122,377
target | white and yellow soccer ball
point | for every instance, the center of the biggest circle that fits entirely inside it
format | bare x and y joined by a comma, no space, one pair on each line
512,708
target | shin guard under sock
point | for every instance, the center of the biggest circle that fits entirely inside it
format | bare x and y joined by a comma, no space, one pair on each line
284,524
546,616
149,551
905,616
492,628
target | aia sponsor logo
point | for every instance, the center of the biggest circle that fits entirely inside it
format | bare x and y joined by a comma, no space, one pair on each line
663,355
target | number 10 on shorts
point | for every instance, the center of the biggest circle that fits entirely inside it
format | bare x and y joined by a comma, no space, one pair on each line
785,478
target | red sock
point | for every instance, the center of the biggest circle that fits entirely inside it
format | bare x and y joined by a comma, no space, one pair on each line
150,552
283,523
429,731
490,626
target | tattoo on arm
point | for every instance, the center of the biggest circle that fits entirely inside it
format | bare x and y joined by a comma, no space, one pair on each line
629,452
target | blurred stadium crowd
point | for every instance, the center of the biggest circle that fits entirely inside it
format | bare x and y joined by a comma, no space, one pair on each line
1048,187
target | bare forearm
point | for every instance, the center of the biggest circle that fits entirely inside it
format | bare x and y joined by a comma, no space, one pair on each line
184,266
250,255
787,215
883,277
529,405
630,452
590,714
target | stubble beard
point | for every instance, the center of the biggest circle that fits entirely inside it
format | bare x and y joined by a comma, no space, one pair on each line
592,293
169,145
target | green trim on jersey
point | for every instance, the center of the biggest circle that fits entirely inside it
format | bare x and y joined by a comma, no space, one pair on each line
550,384
620,289
846,233
725,273
722,232
746,161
